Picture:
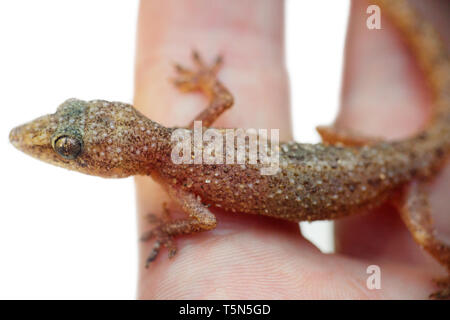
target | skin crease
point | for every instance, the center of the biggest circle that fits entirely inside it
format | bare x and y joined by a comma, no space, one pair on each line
254,256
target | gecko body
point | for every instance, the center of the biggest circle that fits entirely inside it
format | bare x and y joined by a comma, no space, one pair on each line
314,181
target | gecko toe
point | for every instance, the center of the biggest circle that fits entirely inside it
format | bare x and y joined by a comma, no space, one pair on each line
153,254
217,64
162,239
153,218
181,70
152,233
170,245
198,60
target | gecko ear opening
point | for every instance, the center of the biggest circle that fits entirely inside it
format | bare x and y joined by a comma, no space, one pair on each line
68,147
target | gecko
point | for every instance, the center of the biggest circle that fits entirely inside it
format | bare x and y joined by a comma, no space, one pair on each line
344,175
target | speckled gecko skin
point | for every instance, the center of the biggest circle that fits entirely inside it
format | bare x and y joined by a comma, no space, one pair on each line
315,181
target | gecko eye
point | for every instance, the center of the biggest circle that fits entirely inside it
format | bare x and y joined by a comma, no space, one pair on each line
67,147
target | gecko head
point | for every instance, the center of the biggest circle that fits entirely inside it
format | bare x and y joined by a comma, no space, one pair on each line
92,137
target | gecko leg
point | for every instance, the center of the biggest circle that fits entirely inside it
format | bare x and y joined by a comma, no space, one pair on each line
333,135
415,212
204,79
200,219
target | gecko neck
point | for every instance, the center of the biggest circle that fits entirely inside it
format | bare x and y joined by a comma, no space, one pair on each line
150,146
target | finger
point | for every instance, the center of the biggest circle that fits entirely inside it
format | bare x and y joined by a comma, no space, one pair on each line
254,72
384,95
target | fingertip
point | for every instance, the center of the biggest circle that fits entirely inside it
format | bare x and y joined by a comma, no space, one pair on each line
384,93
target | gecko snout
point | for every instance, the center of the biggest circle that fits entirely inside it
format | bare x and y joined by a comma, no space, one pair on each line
33,136
14,137
17,136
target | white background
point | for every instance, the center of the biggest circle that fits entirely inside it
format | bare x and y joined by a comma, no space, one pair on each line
52,50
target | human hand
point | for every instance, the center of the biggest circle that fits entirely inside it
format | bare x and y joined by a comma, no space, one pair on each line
257,257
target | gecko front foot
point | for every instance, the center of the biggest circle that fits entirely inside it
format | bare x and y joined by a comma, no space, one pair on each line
200,219
444,289
163,238
203,78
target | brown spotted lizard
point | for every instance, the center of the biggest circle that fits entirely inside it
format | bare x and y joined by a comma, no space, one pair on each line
345,175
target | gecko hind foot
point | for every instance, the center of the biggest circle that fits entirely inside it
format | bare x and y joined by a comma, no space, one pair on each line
444,289
203,78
